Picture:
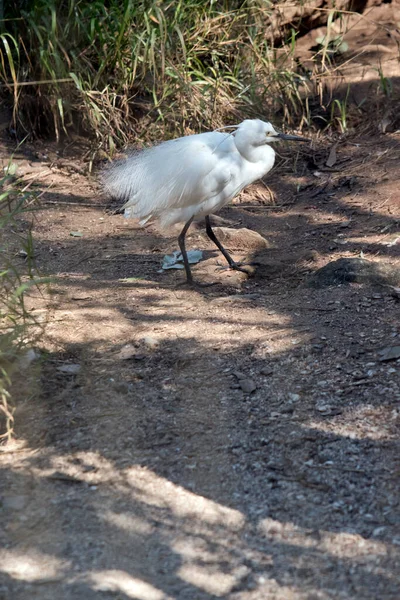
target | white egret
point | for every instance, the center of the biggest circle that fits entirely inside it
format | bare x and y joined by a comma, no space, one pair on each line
193,176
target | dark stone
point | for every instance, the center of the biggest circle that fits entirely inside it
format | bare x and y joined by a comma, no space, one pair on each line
355,270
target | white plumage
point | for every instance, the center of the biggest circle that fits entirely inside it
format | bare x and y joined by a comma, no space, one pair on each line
193,176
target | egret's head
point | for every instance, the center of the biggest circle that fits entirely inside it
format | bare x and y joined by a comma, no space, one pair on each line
259,132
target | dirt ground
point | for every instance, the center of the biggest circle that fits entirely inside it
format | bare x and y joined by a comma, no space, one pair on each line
238,441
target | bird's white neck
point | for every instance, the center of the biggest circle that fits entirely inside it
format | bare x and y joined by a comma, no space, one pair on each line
255,154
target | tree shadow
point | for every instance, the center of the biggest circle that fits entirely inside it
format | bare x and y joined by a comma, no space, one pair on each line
177,480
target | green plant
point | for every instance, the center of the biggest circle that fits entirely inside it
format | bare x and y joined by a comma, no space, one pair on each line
385,84
150,69
339,111
145,66
331,44
18,328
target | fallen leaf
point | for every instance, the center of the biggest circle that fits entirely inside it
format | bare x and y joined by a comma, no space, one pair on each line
332,156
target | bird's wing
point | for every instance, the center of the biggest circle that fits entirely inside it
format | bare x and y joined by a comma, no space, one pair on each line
176,174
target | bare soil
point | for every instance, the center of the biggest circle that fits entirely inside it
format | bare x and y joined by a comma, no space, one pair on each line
154,472
239,441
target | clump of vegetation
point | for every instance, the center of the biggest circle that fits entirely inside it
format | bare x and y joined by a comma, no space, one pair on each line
18,327
147,69
127,66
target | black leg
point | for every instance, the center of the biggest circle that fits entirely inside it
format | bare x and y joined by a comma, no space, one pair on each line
213,238
181,242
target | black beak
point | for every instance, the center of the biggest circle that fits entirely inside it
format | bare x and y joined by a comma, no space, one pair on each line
293,138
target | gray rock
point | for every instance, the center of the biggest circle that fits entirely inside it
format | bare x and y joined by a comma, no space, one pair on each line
239,375
27,358
241,239
355,270
127,352
15,502
151,342
69,368
266,371
247,385
389,353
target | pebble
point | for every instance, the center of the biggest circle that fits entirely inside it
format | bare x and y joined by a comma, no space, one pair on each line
323,408
239,375
14,502
275,415
29,356
378,531
127,352
122,387
266,371
396,541
69,368
248,386
389,353
151,341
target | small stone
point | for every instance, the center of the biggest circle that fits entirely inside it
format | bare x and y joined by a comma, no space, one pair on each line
122,387
27,358
151,341
396,541
394,291
15,502
323,408
266,371
293,397
127,352
69,368
239,375
248,386
389,353
378,531
80,296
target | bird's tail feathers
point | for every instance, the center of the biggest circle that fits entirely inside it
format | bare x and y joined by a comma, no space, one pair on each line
160,181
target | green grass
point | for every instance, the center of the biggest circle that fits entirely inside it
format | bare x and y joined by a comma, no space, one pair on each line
132,68
142,70
18,327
